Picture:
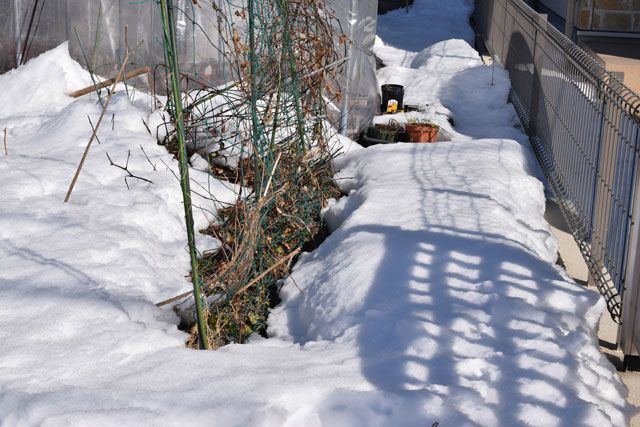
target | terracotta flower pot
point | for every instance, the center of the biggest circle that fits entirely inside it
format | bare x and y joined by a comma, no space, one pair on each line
421,132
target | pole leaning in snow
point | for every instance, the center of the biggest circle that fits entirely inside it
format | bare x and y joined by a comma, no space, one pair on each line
256,130
169,41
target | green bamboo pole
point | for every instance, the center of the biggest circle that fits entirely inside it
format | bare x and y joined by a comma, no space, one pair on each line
253,69
169,39
284,11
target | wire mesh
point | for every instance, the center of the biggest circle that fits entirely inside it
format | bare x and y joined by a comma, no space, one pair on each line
585,130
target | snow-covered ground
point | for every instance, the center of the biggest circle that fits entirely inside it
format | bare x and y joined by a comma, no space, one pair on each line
436,298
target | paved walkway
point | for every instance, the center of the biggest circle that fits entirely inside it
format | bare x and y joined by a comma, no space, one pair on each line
620,57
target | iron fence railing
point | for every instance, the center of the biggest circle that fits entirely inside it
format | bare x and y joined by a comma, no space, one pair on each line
584,126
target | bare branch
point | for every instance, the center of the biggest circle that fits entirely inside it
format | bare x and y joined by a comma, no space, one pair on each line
126,169
148,160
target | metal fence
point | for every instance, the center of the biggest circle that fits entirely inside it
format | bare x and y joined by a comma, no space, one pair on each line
584,127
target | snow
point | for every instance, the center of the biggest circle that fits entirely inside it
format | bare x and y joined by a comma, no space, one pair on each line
427,23
435,299
455,298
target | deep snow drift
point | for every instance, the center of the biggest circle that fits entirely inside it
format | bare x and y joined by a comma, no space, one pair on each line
436,298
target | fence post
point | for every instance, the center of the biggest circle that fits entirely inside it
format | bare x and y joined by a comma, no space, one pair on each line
601,143
631,292
537,58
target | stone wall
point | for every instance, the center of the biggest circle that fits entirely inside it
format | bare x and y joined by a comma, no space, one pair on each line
608,15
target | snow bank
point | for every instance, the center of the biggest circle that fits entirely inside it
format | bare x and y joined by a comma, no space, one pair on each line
52,78
435,299
440,271
428,22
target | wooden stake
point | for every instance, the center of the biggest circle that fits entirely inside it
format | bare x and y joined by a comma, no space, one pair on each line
117,79
6,153
93,136
269,270
176,298
273,171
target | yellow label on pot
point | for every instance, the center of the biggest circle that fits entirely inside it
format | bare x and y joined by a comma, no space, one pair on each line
392,106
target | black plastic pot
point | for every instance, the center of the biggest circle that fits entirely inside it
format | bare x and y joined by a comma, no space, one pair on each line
385,6
392,92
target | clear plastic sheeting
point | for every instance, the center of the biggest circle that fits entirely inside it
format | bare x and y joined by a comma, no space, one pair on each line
7,36
361,102
95,30
46,18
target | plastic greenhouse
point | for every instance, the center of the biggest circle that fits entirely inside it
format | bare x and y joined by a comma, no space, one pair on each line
95,32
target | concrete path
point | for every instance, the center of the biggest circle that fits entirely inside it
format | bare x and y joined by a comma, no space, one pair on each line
618,56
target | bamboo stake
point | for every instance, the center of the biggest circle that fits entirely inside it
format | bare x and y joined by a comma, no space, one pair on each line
273,171
176,298
93,88
255,121
269,270
293,69
170,47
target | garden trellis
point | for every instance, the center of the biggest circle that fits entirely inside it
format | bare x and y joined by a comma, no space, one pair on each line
268,128
257,88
